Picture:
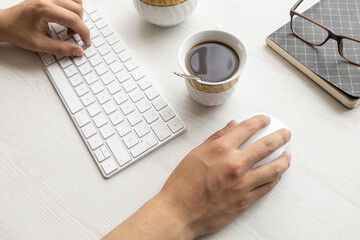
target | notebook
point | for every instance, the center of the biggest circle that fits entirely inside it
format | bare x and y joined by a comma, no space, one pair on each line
323,64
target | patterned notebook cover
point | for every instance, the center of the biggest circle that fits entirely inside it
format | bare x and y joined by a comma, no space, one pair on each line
343,18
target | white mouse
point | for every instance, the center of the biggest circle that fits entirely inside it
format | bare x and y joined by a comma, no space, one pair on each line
274,125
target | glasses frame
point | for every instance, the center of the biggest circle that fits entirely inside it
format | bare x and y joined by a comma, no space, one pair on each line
338,38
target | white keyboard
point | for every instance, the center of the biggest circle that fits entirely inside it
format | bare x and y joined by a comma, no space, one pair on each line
118,111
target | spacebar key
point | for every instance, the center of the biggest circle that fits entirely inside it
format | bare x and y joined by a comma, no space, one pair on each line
64,88
118,149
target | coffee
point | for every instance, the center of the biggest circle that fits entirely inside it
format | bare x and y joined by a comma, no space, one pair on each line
213,61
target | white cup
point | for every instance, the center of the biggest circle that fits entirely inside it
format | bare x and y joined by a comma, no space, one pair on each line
212,93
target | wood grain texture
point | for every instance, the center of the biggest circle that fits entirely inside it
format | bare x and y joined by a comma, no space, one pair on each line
51,189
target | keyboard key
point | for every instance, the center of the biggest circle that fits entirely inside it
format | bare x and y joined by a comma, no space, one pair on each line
175,125
76,80
116,118
91,78
82,118
95,60
110,58
97,87
64,88
134,118
123,128
161,130
125,55
167,114
131,65
57,28
100,120
122,76
105,152
63,35
90,51
81,89
147,142
152,93
120,97
141,129
112,39
98,41
87,99
114,87
48,59
107,78
89,7
129,85
103,97
136,95
118,47
116,66
118,150
137,74
99,156
104,49
144,83
85,69
95,16
88,130
107,131
89,24
127,107
151,116
77,36
101,69
106,31
70,71
101,24
79,61
93,109
109,166
65,62
159,103
130,140
94,33
109,107
143,105
95,141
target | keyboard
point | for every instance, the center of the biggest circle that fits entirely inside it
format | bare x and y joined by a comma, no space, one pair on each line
117,109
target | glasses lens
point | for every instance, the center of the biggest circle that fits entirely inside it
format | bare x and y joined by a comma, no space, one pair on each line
351,50
309,31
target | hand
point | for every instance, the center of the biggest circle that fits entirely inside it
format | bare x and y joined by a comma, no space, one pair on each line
26,25
211,186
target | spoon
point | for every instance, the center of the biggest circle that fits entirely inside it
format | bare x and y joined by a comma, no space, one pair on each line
191,77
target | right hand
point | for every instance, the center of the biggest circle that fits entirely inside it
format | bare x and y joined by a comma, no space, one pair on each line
216,182
26,25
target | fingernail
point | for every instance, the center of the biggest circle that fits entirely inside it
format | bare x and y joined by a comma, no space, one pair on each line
268,119
288,132
88,42
231,124
77,52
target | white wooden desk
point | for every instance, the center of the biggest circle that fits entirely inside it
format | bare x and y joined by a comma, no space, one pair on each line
50,187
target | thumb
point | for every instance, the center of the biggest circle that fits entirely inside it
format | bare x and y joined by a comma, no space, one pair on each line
59,47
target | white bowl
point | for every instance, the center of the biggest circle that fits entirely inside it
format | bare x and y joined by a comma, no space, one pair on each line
165,15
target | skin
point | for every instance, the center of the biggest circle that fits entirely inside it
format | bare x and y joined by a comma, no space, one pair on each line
211,186
26,25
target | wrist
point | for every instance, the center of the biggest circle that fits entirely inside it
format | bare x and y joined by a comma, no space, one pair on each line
3,26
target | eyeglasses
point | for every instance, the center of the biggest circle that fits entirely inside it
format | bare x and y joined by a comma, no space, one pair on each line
316,34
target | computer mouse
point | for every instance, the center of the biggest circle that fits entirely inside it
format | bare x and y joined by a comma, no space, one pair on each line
274,125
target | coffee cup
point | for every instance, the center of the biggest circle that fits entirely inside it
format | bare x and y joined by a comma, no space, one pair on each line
212,93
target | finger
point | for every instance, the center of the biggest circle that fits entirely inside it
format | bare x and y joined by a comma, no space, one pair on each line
221,132
268,172
261,191
265,146
246,129
71,6
68,19
59,47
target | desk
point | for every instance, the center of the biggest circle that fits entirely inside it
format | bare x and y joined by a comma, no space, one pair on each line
51,189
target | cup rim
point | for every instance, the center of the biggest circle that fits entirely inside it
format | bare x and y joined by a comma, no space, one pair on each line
182,59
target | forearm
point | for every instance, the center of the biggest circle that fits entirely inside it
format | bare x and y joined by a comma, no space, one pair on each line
155,220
